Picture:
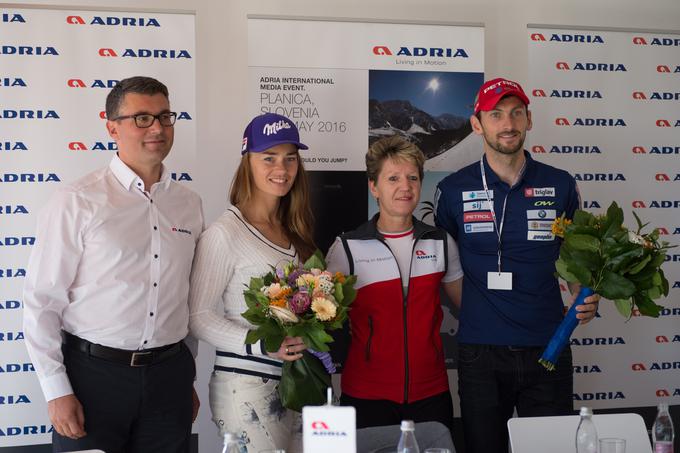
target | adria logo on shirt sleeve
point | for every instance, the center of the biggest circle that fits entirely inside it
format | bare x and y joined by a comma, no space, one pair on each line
181,230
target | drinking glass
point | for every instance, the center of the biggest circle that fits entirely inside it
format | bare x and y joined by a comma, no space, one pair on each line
437,450
612,445
278,450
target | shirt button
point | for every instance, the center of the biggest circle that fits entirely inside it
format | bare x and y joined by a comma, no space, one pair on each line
155,227
139,183
155,256
155,284
151,314
150,200
145,342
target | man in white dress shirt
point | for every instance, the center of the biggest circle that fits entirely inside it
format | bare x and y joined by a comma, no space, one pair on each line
105,298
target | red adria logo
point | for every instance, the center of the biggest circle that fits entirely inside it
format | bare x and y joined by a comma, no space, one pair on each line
562,122
639,95
538,93
75,20
663,68
537,149
105,52
661,393
537,37
76,83
661,339
77,146
639,367
662,177
639,40
382,50
420,253
639,150
102,114
663,123
317,424
562,65
639,204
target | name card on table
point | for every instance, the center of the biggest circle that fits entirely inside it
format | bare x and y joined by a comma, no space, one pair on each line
329,429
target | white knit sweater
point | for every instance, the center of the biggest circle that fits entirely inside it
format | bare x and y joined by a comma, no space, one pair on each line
228,254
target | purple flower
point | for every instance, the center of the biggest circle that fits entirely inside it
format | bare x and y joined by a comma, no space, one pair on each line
292,277
281,273
300,301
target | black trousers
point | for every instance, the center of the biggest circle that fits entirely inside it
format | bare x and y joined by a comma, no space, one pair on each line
131,409
437,408
493,381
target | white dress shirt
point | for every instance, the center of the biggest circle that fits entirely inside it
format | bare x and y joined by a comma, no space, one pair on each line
110,264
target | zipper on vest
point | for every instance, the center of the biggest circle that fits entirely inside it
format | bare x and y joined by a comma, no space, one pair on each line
370,338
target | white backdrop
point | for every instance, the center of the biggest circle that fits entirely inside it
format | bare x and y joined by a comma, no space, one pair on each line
606,108
57,66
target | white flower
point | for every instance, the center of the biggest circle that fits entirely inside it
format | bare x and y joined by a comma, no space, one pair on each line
636,238
283,314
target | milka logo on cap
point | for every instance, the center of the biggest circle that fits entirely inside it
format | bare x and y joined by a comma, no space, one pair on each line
274,128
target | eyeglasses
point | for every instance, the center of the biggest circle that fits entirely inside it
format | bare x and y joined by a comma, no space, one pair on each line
144,120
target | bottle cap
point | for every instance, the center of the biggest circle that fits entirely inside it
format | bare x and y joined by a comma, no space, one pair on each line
586,411
408,425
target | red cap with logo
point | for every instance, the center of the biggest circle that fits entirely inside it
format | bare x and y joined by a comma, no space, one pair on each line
494,90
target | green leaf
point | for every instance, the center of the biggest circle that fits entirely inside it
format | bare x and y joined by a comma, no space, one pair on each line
256,283
613,286
583,242
272,341
654,292
252,336
614,219
640,265
583,274
589,260
318,338
639,222
625,307
303,383
339,297
561,267
664,283
647,306
582,217
315,261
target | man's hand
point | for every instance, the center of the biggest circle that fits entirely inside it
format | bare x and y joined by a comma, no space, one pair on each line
66,415
587,311
195,403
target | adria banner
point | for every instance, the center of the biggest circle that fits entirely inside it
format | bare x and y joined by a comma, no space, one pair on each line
57,68
606,108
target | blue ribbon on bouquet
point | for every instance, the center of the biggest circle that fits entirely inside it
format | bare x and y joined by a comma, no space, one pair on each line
325,358
563,333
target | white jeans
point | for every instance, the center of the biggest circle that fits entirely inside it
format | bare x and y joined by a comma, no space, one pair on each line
250,407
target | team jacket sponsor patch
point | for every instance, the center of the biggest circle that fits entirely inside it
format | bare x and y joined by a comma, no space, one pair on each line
539,192
476,195
540,236
483,227
541,225
479,205
482,216
541,214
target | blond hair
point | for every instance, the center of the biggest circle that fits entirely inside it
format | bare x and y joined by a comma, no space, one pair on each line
393,147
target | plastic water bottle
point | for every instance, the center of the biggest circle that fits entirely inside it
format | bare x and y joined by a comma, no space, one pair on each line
662,431
586,435
231,444
407,441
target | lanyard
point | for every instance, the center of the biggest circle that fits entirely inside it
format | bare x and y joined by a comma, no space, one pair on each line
498,227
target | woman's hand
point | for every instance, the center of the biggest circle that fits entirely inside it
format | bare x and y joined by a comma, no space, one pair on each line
291,349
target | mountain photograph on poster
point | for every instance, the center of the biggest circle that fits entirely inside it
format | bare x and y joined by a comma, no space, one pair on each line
430,109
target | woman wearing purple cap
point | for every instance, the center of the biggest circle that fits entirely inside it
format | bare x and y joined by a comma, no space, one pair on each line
269,222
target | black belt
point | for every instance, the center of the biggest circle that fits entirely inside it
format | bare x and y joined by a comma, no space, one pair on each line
122,356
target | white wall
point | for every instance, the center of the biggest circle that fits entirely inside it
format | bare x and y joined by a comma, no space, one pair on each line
221,60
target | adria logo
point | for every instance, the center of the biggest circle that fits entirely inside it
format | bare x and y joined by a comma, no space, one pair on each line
639,41
661,339
105,52
663,123
537,37
420,253
12,17
319,425
382,50
639,95
639,367
662,393
97,83
538,93
96,146
145,53
662,177
75,20
538,149
562,65
562,122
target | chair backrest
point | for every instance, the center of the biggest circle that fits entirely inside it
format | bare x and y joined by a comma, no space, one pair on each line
557,434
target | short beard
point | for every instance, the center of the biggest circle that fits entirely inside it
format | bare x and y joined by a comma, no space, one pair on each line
496,146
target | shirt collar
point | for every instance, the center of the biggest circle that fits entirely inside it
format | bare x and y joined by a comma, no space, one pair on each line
492,177
129,179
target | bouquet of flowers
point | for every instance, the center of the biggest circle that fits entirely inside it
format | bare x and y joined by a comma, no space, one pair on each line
300,301
606,258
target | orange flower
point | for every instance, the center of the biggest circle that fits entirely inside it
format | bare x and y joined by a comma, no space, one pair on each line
339,277
278,302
